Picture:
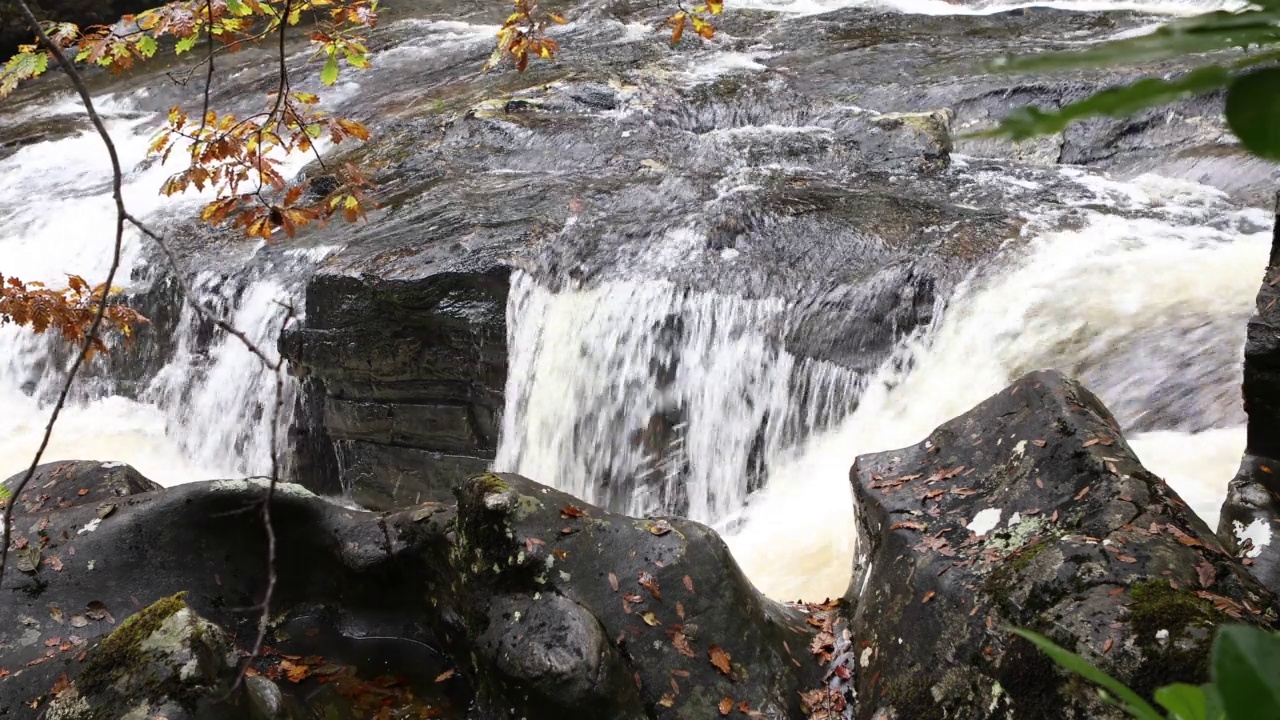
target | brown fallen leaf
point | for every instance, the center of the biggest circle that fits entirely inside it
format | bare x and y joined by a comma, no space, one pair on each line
1080,495
1092,442
688,583
650,583
571,511
1206,573
927,597
681,643
1127,559
54,562
55,613
613,582
719,658
633,598
62,684
446,675
680,610
82,492
667,700
1106,646
51,642
726,705
908,525
660,527
1039,443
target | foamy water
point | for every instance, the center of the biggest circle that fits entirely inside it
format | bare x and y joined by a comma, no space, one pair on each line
1069,300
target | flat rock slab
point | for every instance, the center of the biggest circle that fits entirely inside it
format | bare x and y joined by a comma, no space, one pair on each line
1030,511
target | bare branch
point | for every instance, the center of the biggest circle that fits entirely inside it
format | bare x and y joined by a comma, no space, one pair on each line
117,182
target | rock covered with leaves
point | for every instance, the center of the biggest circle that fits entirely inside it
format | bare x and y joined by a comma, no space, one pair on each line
1031,511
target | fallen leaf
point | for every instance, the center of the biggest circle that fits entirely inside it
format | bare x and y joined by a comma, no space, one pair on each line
908,525
613,582
680,610
681,644
634,598
566,531
1117,591
1039,443
62,684
927,597
96,610
55,562
1126,559
650,619
726,705
51,642
650,583
1092,442
1106,646
28,559
446,675
719,658
680,673
688,583
55,612
667,700
571,511
82,492
743,707
78,621
4,673
1080,495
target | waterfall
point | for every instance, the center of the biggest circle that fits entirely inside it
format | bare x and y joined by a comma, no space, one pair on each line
649,398
206,413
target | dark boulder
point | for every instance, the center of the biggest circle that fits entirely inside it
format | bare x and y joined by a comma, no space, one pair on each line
74,483
1251,514
511,594
1030,511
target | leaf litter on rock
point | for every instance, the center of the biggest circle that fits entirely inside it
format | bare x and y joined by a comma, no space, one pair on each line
650,583
719,658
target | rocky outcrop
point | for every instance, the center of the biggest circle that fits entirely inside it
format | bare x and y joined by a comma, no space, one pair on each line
74,483
540,605
1030,511
1251,514
406,375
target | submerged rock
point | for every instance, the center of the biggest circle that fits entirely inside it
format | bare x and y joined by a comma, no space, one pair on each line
1031,511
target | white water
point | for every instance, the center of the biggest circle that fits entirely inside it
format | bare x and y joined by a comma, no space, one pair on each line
988,7
582,378
200,417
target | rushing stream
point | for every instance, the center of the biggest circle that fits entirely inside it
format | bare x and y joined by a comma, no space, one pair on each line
1145,299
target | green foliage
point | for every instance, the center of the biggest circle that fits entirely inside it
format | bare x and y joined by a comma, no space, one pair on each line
1245,683
1253,93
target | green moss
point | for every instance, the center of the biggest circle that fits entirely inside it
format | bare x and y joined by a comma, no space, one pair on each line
5,493
490,483
1184,655
1156,606
121,653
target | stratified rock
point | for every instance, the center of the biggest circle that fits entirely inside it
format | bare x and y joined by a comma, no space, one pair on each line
1251,513
1030,511
73,483
409,372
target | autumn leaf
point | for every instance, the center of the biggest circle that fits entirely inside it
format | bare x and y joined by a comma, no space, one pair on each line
726,705
613,582
681,644
667,700
660,527
719,658
571,511
650,619
927,597
688,583
82,492
650,583
445,675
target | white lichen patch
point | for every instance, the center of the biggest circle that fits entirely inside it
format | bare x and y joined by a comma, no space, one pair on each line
90,526
1258,532
984,522
1020,449
244,484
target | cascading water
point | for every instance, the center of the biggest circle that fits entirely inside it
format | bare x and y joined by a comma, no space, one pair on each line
203,415
626,393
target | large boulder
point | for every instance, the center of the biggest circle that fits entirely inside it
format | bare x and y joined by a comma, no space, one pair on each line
1030,511
530,601
73,483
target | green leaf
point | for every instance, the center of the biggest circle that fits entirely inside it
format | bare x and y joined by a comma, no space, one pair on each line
238,8
1213,702
1199,34
329,75
147,46
186,44
1246,670
1184,702
1129,701
1253,112
1027,122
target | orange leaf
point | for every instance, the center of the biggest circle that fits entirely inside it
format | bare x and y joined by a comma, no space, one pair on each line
726,705
719,658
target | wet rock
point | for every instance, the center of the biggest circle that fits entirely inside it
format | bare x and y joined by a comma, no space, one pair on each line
582,612
409,373
166,660
1031,511
1251,511
74,483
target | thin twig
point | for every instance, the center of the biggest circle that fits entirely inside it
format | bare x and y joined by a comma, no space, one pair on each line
117,182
